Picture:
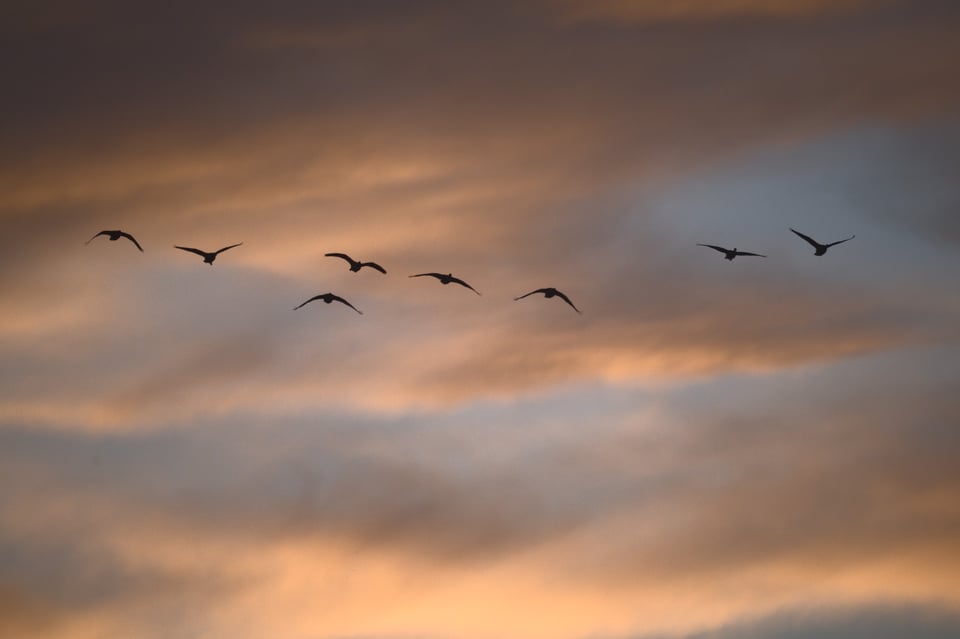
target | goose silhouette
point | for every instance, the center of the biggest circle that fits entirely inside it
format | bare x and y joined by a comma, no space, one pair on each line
355,265
208,258
116,235
819,249
729,254
328,298
548,293
447,279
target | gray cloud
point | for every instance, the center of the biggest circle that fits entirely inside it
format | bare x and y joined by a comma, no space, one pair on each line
597,95
828,472
802,472
53,578
519,151
866,622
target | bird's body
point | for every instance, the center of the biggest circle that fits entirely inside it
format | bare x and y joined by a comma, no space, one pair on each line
447,279
328,298
116,235
356,265
548,293
818,248
730,254
208,258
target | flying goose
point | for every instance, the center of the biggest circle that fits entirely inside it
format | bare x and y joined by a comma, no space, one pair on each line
548,293
355,265
820,249
729,254
329,297
447,279
116,235
207,257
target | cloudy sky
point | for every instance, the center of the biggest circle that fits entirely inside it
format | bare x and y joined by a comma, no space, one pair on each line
759,449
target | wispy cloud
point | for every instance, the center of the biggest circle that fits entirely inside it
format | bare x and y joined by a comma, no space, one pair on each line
708,445
653,10
818,479
866,621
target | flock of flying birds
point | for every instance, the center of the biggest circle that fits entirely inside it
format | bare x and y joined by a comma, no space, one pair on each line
448,278
818,248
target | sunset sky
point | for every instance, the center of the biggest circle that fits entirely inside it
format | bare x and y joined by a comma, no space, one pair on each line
756,449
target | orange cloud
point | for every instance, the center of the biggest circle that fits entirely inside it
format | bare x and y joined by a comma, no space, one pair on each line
182,453
656,521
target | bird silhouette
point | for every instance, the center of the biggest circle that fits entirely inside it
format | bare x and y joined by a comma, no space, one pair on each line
116,235
355,265
548,293
207,257
328,298
819,249
447,279
729,254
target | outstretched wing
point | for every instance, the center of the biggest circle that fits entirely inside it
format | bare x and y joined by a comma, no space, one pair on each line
715,248
539,290
227,248
97,235
462,283
739,253
202,254
840,241
315,297
343,301
132,239
567,300
809,240
374,266
436,275
342,256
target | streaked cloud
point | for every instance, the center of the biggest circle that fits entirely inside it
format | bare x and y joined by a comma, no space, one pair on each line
657,306
654,10
736,507
868,621
758,449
